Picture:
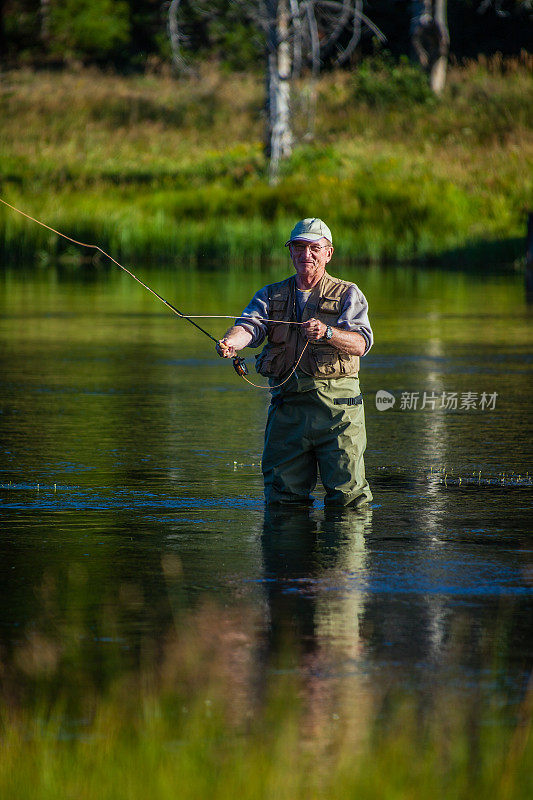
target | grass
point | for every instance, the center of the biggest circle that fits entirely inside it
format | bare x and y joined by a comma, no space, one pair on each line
202,726
152,754
150,167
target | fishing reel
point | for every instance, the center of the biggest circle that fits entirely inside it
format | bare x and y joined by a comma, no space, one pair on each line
239,365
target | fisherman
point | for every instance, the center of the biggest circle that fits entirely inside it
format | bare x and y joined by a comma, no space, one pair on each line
316,415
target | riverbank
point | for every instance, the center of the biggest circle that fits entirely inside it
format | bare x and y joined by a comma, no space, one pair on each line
150,167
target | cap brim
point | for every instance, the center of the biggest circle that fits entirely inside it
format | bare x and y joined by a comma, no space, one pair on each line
306,237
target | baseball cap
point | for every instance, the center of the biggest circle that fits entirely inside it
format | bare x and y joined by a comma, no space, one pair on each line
310,230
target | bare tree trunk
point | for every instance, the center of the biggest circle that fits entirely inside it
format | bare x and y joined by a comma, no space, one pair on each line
438,72
175,39
430,39
279,138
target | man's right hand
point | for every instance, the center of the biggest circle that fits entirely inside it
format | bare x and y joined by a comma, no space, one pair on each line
225,349
234,340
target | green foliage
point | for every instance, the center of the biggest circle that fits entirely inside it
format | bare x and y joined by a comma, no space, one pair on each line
95,28
240,48
21,28
381,83
222,30
132,163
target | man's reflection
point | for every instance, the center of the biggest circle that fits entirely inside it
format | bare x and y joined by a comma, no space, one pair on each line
315,569
314,577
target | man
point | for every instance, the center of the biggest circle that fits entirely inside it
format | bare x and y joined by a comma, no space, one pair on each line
316,415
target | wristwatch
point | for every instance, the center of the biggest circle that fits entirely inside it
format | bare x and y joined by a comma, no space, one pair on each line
329,332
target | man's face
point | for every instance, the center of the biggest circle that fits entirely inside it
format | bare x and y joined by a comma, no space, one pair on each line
310,258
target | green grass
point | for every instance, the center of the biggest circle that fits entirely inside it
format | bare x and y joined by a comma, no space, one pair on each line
194,731
198,708
146,166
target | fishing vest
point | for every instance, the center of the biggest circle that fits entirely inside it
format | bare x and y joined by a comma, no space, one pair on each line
286,342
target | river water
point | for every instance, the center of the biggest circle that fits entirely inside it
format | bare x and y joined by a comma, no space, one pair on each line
131,490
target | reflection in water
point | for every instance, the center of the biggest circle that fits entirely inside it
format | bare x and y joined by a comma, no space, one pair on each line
343,599
423,610
308,565
315,580
149,508
88,611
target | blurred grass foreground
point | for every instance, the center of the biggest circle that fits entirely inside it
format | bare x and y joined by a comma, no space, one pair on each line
148,166
205,721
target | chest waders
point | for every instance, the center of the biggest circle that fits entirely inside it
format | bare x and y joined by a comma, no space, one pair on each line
315,426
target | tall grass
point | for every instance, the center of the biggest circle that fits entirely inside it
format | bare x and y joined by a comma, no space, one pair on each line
198,727
151,167
165,752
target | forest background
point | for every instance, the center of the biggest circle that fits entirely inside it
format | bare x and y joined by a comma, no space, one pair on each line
105,139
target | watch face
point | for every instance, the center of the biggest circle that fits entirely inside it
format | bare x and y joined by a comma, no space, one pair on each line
329,332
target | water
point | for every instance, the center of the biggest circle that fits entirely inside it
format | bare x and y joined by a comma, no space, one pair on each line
131,491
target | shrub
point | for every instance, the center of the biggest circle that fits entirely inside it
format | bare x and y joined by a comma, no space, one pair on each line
379,82
94,28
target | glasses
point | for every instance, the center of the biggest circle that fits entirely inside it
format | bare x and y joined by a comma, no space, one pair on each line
298,247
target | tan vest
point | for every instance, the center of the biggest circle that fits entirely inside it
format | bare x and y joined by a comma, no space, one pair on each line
286,342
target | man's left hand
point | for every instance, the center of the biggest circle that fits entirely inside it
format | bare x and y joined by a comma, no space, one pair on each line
314,329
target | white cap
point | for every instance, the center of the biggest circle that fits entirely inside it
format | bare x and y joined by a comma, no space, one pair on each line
310,230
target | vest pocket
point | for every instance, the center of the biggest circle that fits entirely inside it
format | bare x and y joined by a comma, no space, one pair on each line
277,333
324,361
268,362
329,305
348,364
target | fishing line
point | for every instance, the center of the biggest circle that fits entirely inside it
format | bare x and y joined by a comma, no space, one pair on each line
172,308
238,363
277,386
96,247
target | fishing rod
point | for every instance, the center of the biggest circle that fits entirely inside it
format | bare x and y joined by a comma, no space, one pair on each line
239,363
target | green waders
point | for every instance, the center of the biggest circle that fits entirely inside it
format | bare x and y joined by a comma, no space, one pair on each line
316,424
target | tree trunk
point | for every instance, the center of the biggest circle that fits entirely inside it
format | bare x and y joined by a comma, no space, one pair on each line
279,138
430,39
178,61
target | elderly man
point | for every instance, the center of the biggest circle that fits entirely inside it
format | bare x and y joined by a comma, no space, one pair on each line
316,416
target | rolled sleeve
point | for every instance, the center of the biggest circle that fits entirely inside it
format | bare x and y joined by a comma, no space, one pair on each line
252,316
354,316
